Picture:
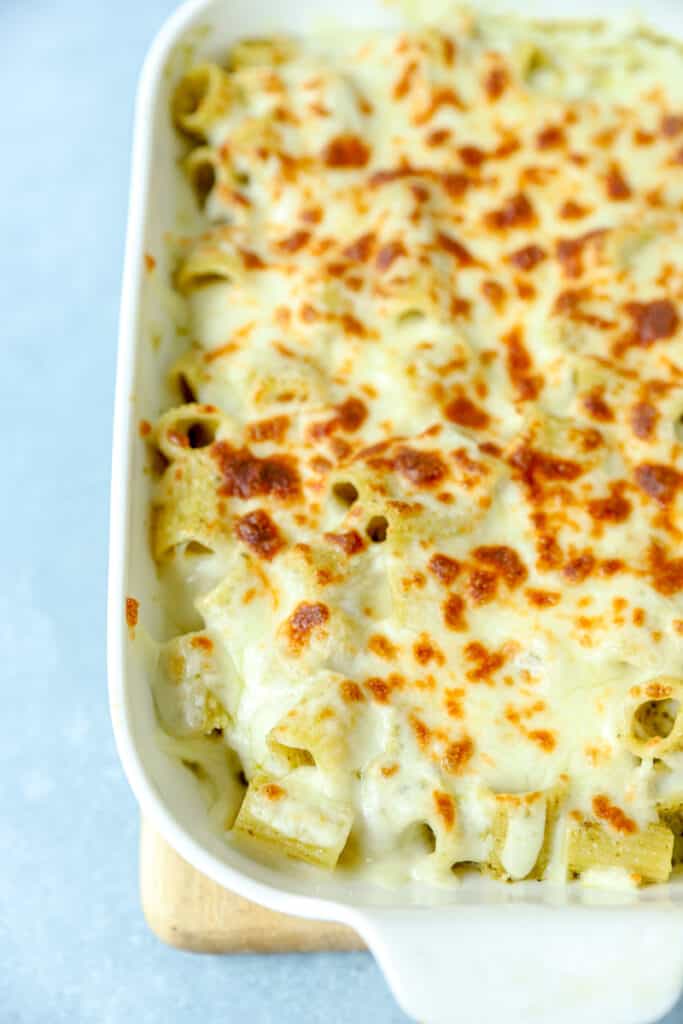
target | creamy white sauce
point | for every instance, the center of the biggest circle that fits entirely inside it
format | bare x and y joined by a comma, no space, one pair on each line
523,839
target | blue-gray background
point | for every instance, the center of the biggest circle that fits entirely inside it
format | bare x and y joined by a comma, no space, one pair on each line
73,945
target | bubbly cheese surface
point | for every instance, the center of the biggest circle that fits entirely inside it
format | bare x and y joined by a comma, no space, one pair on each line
421,511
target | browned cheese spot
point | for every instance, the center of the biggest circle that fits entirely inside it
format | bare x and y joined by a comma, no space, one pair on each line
457,755
349,416
485,663
543,598
570,251
306,619
520,367
528,257
258,531
273,429
495,83
295,241
244,475
424,651
444,568
465,413
445,807
132,609
423,469
360,250
382,647
551,137
577,569
272,791
516,212
643,419
660,482
346,151
388,254
482,586
454,613
382,689
604,809
504,561
652,321
596,406
351,542
615,508
666,574
351,692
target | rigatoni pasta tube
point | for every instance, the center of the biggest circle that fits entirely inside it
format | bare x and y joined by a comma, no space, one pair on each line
186,428
201,168
295,819
185,511
261,52
207,264
645,853
201,97
316,729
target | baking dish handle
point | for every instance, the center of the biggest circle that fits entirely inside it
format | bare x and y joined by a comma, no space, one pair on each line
536,964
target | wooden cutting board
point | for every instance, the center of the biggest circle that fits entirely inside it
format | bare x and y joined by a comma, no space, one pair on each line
189,911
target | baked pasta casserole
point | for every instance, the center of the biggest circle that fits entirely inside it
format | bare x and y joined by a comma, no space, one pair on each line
418,506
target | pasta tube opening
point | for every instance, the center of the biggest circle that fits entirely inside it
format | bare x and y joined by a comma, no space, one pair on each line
653,717
377,529
187,428
201,97
418,839
201,168
345,492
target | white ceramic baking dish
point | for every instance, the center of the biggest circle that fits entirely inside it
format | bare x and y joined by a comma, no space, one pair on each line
484,951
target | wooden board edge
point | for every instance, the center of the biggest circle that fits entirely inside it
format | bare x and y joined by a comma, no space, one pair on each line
188,911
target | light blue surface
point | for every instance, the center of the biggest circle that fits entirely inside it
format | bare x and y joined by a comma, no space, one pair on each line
73,944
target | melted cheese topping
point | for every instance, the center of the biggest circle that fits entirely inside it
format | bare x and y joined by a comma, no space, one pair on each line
427,513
